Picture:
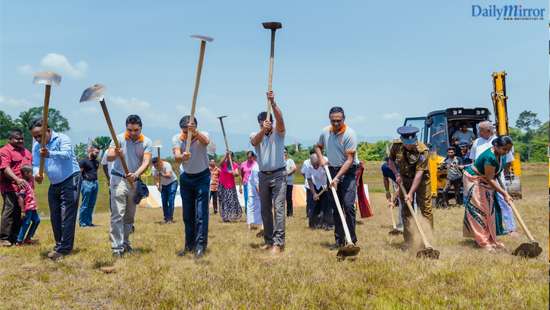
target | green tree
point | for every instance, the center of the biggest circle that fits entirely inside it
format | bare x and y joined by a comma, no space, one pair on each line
527,122
6,123
81,150
102,142
56,121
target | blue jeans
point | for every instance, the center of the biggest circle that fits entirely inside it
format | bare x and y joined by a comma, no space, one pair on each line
31,219
89,190
168,194
245,195
195,190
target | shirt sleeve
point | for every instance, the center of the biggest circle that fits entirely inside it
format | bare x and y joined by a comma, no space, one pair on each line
393,151
321,141
350,143
35,157
148,146
5,158
176,142
65,148
422,164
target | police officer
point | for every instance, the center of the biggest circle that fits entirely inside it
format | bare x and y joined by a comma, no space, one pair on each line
409,162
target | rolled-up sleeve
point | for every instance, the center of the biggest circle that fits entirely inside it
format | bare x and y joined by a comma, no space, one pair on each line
65,149
35,157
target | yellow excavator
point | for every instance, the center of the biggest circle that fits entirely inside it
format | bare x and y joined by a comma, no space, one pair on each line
438,127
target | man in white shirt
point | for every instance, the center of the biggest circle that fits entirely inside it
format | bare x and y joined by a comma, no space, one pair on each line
321,215
290,169
168,187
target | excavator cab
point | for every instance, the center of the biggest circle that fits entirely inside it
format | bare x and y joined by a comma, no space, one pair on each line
436,131
438,127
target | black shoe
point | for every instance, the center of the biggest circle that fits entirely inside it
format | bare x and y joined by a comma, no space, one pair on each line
199,253
128,249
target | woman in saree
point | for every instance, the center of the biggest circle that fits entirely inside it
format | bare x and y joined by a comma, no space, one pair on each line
230,208
480,185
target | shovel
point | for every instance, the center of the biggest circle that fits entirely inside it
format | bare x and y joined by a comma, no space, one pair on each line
46,78
428,251
96,93
273,26
531,249
394,230
157,145
203,40
350,249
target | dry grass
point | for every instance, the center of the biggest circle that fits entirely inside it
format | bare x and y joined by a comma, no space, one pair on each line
235,274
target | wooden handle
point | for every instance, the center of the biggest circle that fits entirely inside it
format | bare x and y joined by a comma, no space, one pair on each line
338,207
521,222
392,217
114,137
45,111
424,239
195,93
158,156
270,74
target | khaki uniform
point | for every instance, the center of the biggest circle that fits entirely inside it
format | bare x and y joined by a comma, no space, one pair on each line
408,163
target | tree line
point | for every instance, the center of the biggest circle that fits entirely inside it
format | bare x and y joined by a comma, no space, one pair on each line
530,137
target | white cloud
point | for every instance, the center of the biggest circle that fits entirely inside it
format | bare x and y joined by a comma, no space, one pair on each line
60,63
357,119
392,115
131,104
25,69
14,103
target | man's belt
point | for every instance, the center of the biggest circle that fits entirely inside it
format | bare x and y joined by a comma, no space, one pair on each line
273,171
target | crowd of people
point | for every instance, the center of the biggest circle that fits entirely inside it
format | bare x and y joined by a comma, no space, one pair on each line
474,170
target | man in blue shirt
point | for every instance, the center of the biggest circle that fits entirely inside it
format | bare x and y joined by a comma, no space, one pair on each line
63,194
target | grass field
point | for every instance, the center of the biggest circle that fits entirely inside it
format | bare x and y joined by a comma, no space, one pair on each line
235,274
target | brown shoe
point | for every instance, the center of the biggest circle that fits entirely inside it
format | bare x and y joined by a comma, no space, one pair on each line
277,249
6,243
55,256
266,247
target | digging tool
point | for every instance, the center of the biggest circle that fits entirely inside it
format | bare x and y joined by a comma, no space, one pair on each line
225,139
203,40
47,79
273,26
96,93
157,144
531,249
350,249
428,251
394,230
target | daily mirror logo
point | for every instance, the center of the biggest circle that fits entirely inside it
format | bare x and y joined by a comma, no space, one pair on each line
508,12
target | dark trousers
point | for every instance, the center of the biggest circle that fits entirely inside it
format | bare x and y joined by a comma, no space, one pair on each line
168,195
309,202
11,217
195,190
63,201
289,206
214,198
346,191
456,185
318,216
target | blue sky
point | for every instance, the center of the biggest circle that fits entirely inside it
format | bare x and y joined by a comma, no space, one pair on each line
380,60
